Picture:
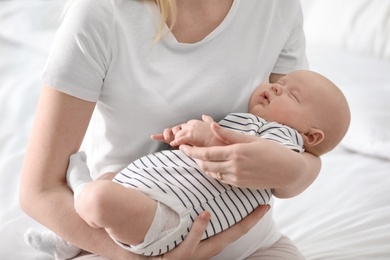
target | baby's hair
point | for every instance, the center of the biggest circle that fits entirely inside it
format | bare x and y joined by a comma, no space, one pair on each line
334,119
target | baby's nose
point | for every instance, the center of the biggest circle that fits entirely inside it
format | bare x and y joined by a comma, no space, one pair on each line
276,89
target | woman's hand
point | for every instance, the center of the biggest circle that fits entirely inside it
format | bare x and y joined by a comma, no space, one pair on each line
253,162
193,248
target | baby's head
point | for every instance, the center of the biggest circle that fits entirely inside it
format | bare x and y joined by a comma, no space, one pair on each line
307,102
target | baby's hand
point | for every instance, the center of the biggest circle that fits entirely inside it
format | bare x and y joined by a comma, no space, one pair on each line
168,135
195,132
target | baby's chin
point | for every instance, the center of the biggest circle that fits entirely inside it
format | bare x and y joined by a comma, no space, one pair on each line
258,111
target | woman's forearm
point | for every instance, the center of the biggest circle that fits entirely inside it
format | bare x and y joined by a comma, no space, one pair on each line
54,209
297,172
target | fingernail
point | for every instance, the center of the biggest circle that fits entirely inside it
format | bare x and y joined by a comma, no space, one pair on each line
182,147
204,215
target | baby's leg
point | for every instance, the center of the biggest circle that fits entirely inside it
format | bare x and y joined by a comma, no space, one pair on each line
125,213
128,215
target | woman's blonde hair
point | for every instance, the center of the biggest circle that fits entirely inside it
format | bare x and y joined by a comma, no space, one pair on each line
167,9
168,12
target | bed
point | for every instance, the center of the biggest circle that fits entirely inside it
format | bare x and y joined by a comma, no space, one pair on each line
345,214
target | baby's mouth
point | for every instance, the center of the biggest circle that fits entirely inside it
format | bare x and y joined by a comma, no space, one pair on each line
265,97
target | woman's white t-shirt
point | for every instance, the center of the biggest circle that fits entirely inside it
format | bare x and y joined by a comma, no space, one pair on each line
105,52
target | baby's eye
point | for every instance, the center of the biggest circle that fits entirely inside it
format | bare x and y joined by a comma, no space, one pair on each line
279,83
294,96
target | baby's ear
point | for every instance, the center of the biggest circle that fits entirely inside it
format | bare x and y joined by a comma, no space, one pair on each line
313,137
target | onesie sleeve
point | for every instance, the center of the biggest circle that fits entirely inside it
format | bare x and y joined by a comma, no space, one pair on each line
284,135
250,124
293,54
80,55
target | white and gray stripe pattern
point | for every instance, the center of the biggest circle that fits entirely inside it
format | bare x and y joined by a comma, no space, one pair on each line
172,173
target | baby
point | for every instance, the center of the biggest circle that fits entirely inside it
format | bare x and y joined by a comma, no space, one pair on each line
150,205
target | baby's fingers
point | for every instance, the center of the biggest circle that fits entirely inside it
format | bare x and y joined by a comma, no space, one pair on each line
168,135
207,119
157,137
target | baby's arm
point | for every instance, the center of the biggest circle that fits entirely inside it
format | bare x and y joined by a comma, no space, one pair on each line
194,132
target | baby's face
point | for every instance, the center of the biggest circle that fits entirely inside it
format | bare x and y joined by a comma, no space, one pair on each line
289,101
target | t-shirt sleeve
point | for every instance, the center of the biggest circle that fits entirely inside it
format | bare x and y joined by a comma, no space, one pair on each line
80,55
293,54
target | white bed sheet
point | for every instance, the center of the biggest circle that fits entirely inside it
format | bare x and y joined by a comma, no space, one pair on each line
26,32
345,214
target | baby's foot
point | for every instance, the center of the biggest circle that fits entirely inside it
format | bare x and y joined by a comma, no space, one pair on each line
78,174
50,243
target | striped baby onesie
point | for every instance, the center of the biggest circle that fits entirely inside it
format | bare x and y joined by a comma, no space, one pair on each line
174,179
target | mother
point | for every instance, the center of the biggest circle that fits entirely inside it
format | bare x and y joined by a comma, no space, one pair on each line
138,66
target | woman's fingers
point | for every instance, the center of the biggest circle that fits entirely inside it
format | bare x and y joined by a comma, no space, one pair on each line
214,153
230,137
189,248
192,248
198,229
211,160
233,162
241,228
214,245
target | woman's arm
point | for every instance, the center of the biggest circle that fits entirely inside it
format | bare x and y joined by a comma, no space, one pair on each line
257,163
59,127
